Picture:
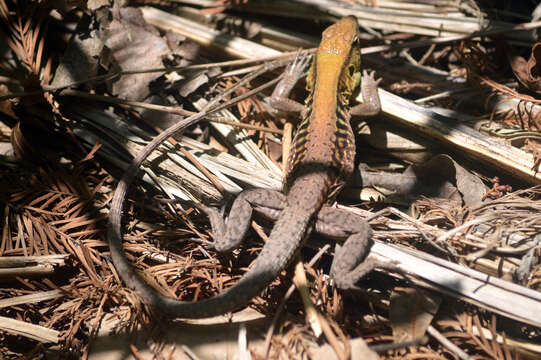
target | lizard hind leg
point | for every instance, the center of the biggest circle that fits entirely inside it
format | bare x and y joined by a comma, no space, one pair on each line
228,235
350,262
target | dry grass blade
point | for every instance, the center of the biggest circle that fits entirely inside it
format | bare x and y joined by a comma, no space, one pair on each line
31,298
431,19
31,331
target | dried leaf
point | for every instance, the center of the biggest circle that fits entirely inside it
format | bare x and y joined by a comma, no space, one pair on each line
135,45
440,177
411,312
527,72
82,57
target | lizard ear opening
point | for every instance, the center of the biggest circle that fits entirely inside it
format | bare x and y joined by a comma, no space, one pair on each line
351,69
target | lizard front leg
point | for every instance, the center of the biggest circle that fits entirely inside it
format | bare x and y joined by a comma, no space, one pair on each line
371,104
280,96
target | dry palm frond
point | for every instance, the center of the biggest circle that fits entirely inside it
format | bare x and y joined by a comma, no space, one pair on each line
54,212
24,28
480,336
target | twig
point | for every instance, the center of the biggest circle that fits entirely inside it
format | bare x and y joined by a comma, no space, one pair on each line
280,309
449,345
311,315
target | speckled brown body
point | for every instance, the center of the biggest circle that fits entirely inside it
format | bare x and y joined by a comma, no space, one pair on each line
320,163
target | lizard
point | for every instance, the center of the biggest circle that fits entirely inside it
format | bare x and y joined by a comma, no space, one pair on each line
319,164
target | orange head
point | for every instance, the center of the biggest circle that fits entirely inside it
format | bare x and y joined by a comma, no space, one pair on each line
338,53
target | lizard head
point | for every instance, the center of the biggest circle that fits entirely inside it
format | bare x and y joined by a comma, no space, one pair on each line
339,52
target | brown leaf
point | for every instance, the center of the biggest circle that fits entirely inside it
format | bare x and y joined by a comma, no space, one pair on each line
411,312
135,45
440,177
81,59
527,72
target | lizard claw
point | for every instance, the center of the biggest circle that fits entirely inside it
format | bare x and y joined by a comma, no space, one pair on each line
370,77
207,243
217,223
296,68
347,280
345,284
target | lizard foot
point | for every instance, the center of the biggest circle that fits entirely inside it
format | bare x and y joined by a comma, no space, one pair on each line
218,227
348,281
207,243
228,235
369,78
295,69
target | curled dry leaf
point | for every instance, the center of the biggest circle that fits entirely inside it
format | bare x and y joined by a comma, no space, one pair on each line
528,72
440,177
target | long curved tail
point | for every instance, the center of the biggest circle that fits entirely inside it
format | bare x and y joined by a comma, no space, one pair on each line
274,257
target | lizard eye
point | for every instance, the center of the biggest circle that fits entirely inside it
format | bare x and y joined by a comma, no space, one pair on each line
351,69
